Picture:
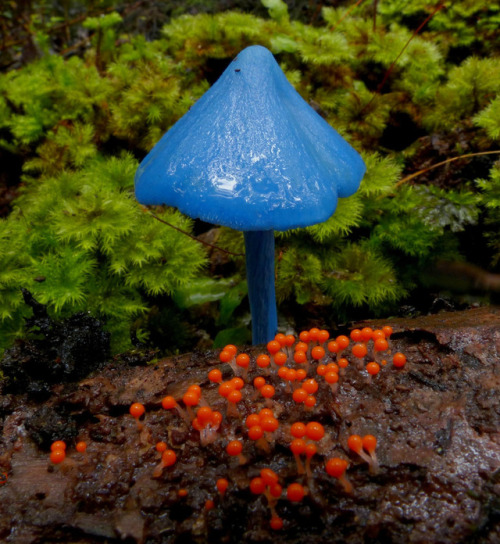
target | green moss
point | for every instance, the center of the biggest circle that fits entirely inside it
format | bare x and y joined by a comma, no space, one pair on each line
78,240
87,245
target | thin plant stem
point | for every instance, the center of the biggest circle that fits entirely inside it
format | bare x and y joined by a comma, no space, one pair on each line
439,7
346,14
442,163
194,237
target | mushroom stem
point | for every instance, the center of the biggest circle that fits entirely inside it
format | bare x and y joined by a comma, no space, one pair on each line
259,250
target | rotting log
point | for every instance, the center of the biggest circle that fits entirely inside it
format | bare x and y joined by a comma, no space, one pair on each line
437,422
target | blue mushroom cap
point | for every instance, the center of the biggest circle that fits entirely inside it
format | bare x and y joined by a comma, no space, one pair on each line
251,154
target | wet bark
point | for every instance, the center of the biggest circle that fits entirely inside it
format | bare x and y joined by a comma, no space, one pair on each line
437,422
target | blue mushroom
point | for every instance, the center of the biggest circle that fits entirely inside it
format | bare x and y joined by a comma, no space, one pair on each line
252,155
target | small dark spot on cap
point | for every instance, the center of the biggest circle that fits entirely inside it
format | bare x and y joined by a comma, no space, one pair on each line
237,70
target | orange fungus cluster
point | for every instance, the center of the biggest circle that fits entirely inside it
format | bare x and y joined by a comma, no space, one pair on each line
249,413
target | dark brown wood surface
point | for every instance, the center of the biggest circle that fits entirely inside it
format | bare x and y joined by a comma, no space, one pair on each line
437,422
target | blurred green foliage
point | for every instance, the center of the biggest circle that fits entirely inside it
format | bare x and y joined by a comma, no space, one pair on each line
79,124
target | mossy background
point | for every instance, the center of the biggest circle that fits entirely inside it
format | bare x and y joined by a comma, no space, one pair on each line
87,88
